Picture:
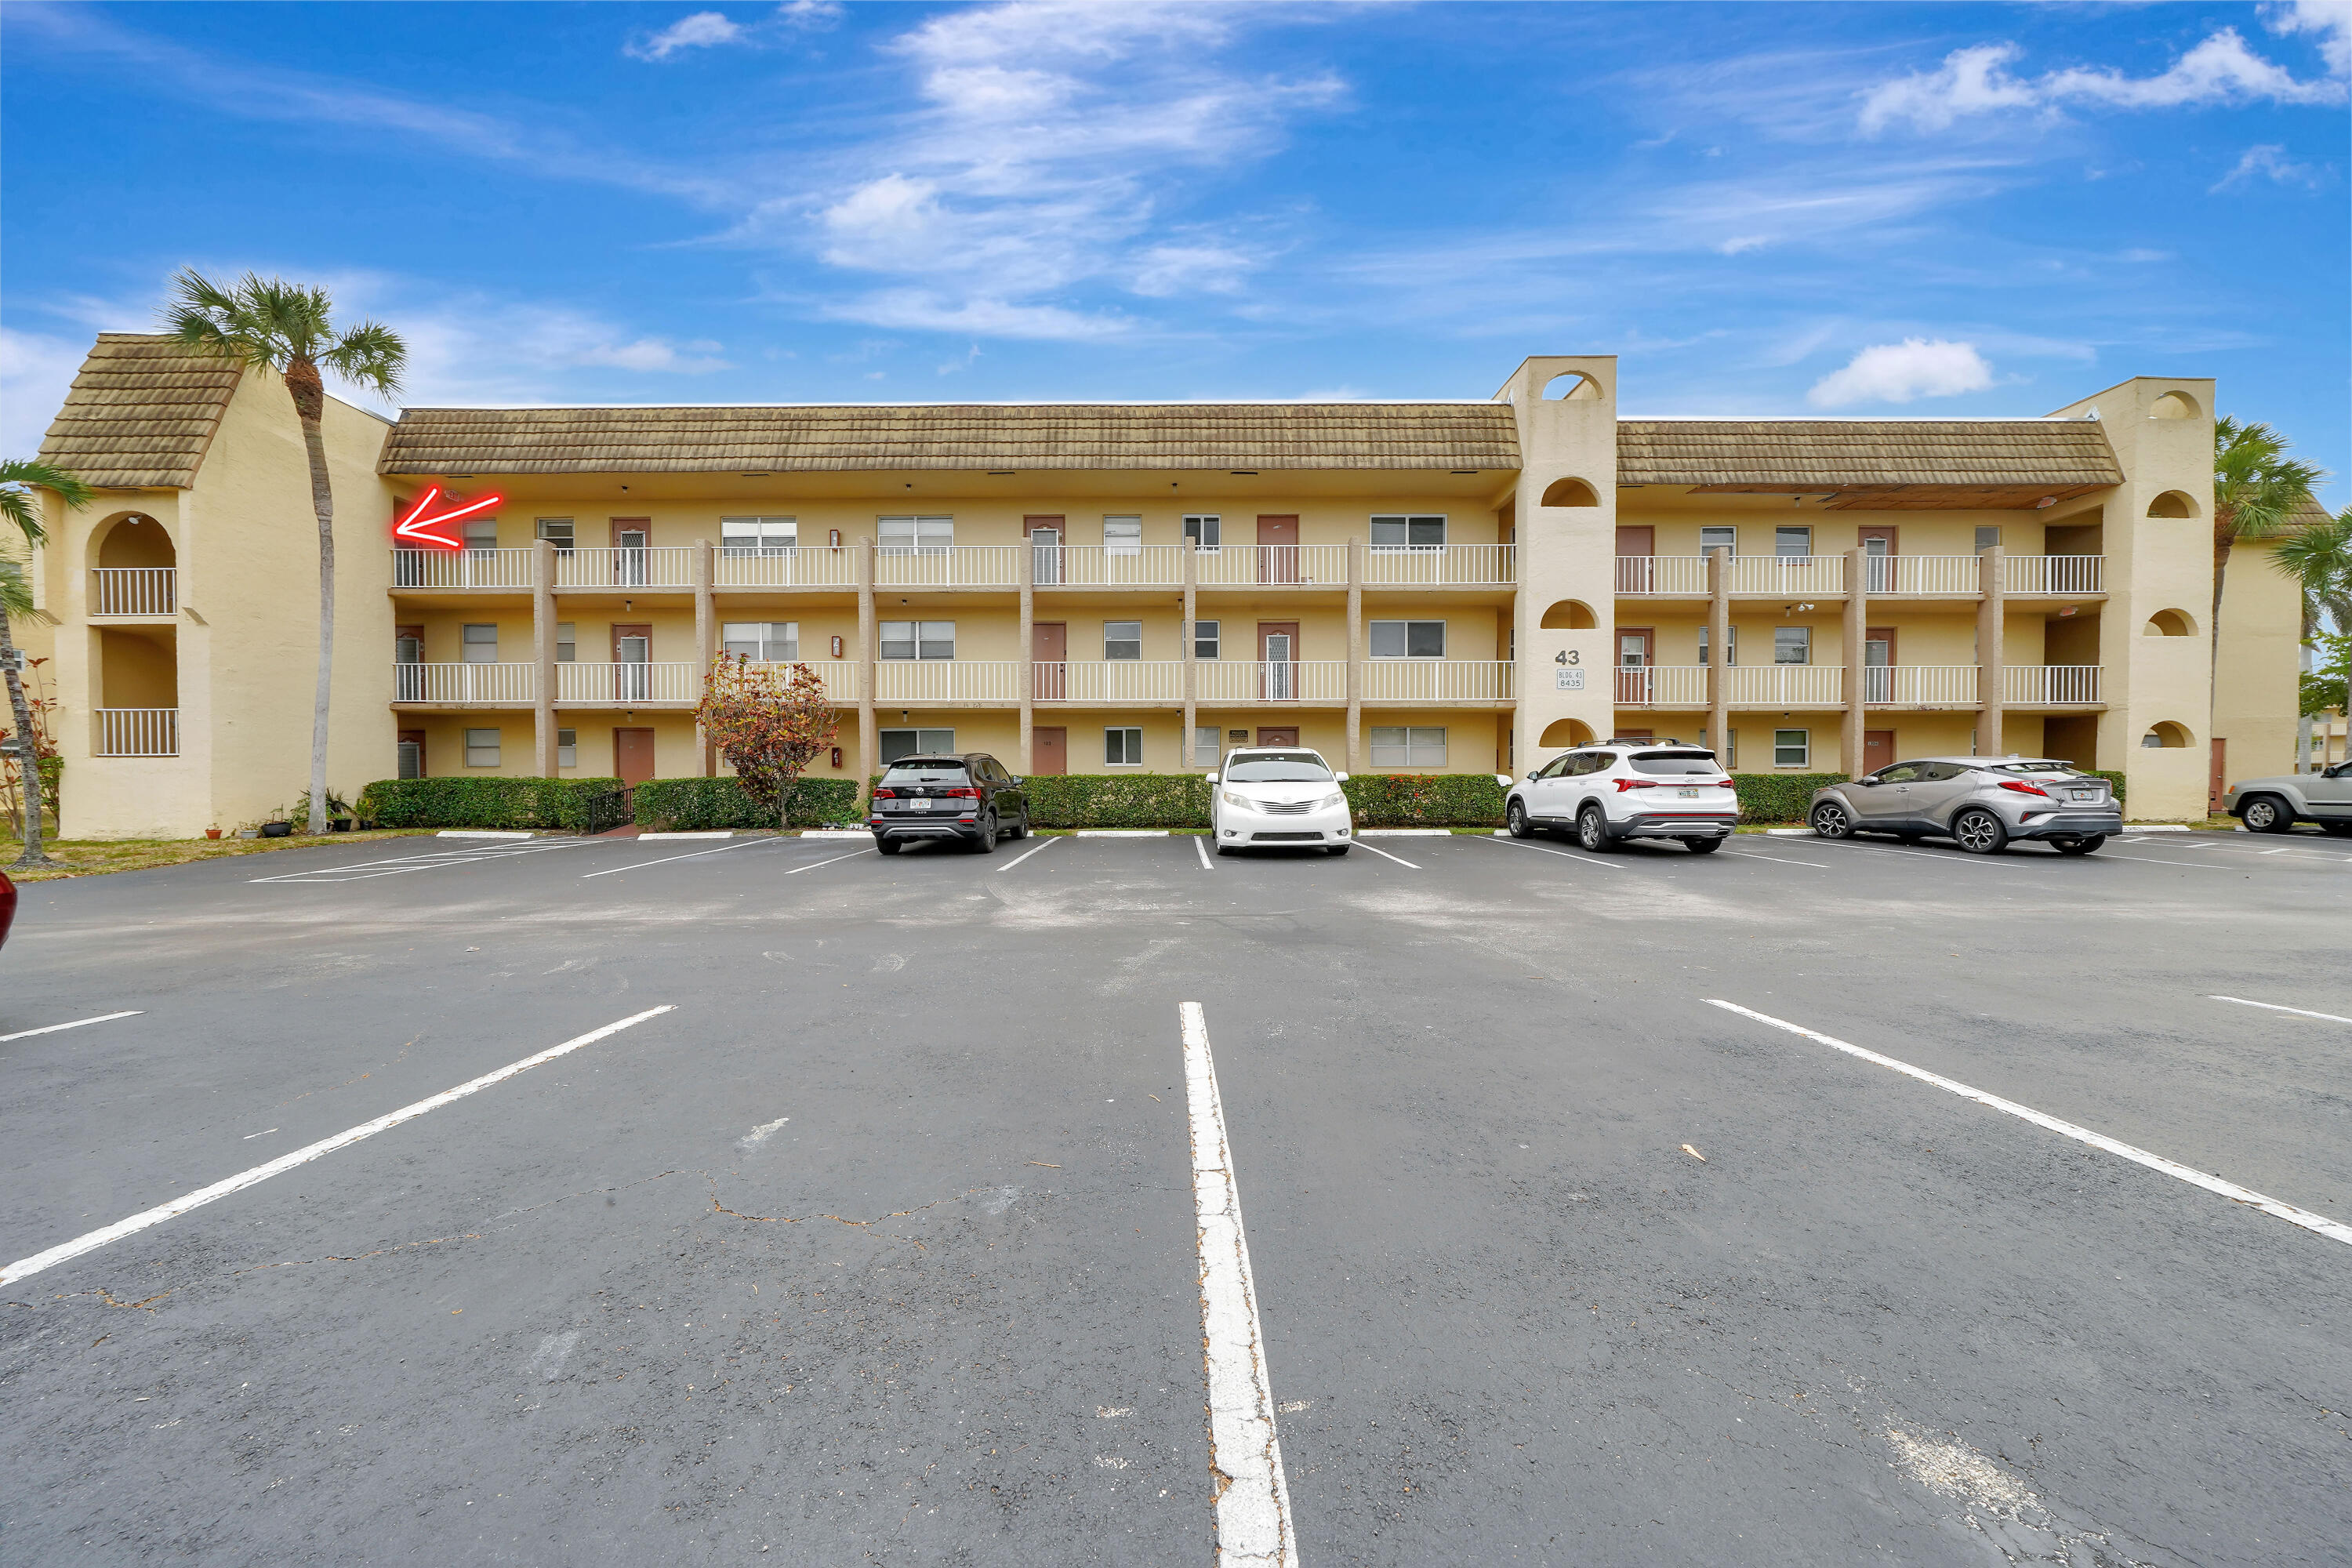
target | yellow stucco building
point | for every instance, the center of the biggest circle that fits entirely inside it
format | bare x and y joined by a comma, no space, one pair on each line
1464,586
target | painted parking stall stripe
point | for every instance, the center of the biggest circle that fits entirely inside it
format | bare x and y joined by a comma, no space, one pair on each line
78,1023
1592,860
1040,847
2318,1223
697,854
26,1268
363,870
1252,1501
1386,856
2241,1001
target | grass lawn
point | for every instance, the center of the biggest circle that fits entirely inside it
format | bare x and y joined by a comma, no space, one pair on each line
94,857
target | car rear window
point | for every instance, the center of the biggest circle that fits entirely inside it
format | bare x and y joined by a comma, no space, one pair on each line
1674,764
1278,767
926,769
2038,766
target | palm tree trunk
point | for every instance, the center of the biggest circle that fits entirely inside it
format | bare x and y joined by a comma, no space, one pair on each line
2221,545
303,385
28,760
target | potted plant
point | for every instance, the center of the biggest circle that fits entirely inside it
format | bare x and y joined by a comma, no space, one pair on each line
211,833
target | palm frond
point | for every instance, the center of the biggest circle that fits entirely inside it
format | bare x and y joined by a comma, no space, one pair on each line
268,322
16,507
369,354
16,592
2257,487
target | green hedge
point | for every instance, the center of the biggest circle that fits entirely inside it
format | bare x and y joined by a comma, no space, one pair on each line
1117,800
496,802
691,805
2114,780
1425,800
1779,798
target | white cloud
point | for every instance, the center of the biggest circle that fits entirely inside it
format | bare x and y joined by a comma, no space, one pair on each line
1897,373
2268,160
36,371
699,31
1976,81
2329,21
937,310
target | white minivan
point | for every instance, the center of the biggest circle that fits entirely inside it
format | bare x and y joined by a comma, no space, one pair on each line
1278,797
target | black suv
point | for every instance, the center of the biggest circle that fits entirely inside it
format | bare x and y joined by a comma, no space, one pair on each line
968,795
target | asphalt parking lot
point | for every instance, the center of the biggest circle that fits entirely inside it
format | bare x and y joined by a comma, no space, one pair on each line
888,1241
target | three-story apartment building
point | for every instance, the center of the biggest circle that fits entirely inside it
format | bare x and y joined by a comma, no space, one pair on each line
1431,586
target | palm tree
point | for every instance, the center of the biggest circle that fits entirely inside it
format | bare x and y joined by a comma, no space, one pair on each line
17,508
2318,555
2257,491
285,327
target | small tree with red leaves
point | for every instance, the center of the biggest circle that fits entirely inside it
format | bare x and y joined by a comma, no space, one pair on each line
769,721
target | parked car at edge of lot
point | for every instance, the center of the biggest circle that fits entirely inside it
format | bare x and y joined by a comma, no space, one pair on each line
7,906
2277,804
1627,789
1278,797
1982,803
966,795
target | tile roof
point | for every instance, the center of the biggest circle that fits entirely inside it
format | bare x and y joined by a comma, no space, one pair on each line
778,440
141,413
2053,453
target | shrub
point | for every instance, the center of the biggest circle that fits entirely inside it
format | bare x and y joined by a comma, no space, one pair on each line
1425,800
691,805
1779,798
496,803
2115,781
1117,800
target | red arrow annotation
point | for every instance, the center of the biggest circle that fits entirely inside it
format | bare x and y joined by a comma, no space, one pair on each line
414,526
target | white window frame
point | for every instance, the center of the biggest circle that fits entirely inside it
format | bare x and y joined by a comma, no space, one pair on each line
1111,643
1408,746
1731,749
1213,639
1123,534
1205,745
476,747
567,642
1119,739
1409,523
558,532
1731,646
1804,749
1204,530
1987,537
758,536
481,535
1731,544
1781,540
921,637
567,748
884,740
1371,638
916,535
766,647
469,642
1803,640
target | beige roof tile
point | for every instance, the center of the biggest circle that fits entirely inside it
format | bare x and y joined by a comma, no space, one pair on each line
141,413
1836,453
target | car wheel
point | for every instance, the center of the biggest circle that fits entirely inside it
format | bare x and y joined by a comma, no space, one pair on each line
1337,849
986,843
2081,846
1514,816
1704,846
1979,831
1593,830
1832,820
2265,814
888,845
1020,829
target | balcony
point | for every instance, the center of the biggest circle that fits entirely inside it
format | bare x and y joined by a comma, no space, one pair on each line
1441,566
1437,680
1919,686
1104,567
1272,565
435,571
1750,686
1322,681
839,675
1769,577
2069,574
466,685
1108,680
1925,685
649,566
954,566
2050,685
1924,576
628,684
135,731
1897,576
134,591
824,566
932,682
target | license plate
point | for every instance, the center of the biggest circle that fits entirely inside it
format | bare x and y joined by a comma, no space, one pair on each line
920,803
2082,795
1687,794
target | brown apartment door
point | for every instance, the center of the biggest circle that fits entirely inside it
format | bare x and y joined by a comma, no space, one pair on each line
633,756
1049,750
630,535
1877,749
1278,549
1878,558
1049,646
633,663
412,753
1878,664
1635,571
2218,783
1277,734
1046,537
1635,682
407,668
1277,652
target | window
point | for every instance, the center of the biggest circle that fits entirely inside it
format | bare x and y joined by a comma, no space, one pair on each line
1988,536
481,748
1398,746
1793,645
1204,746
762,641
556,530
481,644
917,535
1731,749
896,744
481,533
918,640
757,535
1792,748
1394,533
1408,640
1730,644
567,748
1122,536
412,760
1205,638
1200,530
1789,541
566,645
1122,639
1723,537
1123,746
1692,764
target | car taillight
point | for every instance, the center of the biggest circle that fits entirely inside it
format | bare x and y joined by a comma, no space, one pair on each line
964,794
2025,788
886,794
1624,784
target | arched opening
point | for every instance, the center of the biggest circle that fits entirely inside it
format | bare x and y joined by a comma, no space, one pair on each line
2166,734
2173,406
1570,492
2170,623
1569,615
132,563
131,541
1565,732
2172,503
1571,387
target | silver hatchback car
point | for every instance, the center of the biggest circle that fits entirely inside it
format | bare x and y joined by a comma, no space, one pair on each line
1981,803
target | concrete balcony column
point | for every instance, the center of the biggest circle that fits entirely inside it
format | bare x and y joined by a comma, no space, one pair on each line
1857,635
1189,638
706,645
869,733
542,652
1718,654
1024,575
1992,674
1355,655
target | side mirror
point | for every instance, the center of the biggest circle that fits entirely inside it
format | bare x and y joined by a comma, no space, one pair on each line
1213,778
1340,778
1018,781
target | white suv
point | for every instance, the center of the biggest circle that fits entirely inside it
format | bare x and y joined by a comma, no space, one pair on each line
1278,796
1628,789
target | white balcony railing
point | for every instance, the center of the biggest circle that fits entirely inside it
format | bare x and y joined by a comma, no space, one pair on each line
2050,684
439,569
815,566
1786,685
134,591
628,684
504,685
954,566
906,681
1662,574
1781,575
838,675
1662,686
1941,576
1251,565
136,732
1437,680
601,566
1107,566
1108,680
1321,680
2054,573
1920,685
1440,565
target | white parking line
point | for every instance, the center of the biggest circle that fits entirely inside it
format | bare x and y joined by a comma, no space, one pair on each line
2334,1230
1043,845
1546,849
2152,860
78,1023
1957,859
819,865
26,1268
1253,1502
1776,860
640,865
362,871
2241,1001
1386,856
1202,845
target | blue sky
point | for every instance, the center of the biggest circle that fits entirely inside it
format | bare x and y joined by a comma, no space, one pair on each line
1881,208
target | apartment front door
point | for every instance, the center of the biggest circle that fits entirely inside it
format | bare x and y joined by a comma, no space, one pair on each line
632,663
412,753
1636,572
1878,558
633,756
2218,783
1277,734
1877,749
407,668
1049,750
1878,664
630,537
1049,646
1278,549
1045,549
1636,683
1277,652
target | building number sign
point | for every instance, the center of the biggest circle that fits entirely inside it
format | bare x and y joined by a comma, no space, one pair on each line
1566,678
